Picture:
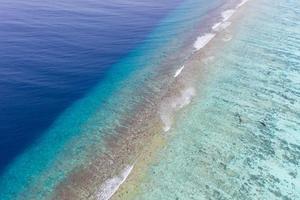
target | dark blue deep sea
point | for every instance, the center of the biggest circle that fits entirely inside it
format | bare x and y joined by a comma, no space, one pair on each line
53,52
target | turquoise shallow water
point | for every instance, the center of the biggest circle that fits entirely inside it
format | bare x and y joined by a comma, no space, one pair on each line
78,134
240,139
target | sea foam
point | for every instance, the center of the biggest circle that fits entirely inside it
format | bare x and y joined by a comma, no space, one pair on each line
112,185
227,14
225,25
184,99
221,26
202,41
215,27
242,3
166,119
170,106
178,71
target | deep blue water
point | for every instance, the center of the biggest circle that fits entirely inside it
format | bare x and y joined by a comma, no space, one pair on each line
53,52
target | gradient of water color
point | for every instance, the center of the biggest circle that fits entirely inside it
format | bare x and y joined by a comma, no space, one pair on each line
240,138
53,53
69,142
231,141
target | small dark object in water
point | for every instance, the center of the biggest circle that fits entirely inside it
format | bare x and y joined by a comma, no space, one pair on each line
263,124
239,116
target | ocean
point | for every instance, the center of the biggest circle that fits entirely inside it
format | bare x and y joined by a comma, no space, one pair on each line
53,53
62,63
239,137
184,99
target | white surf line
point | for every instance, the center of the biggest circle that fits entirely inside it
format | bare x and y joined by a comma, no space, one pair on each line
220,26
111,185
178,71
242,3
202,41
227,14
215,27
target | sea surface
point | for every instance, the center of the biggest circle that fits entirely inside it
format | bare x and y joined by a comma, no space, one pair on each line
53,53
83,82
63,66
240,136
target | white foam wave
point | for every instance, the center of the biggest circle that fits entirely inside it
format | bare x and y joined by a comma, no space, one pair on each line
184,99
202,41
215,27
227,14
166,119
221,26
169,107
112,185
178,71
242,3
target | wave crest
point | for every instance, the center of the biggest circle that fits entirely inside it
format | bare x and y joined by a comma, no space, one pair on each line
171,105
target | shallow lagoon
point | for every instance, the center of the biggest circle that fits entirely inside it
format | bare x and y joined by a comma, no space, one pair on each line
240,138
